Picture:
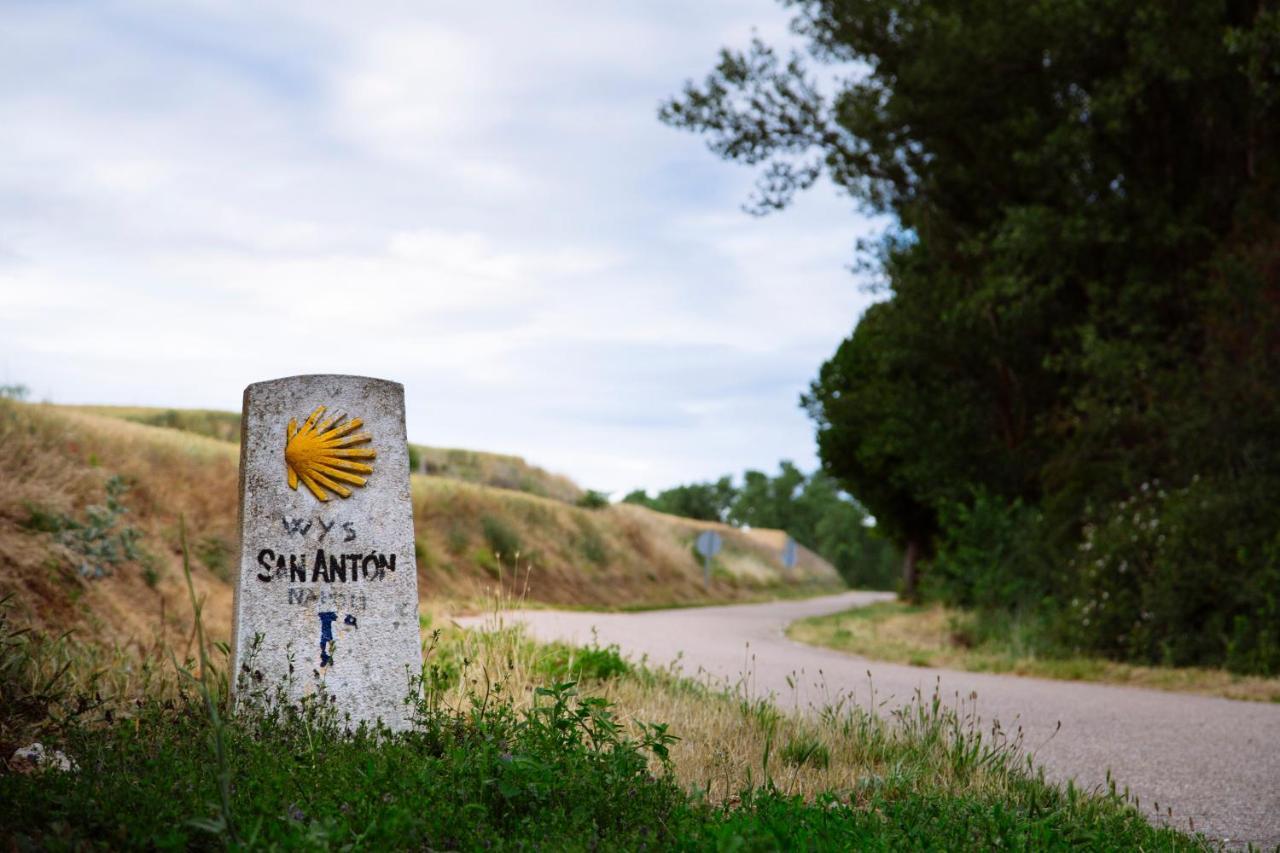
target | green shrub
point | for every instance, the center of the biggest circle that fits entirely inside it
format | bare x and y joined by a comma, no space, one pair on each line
993,556
150,570
566,773
563,773
215,553
457,540
415,459
592,543
502,539
487,561
560,662
1180,576
591,499
95,537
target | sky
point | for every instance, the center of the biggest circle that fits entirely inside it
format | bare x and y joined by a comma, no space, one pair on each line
476,200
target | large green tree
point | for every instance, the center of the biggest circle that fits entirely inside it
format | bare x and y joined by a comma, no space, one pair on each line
1082,275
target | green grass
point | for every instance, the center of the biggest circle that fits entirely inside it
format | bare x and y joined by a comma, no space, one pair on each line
516,746
932,635
563,772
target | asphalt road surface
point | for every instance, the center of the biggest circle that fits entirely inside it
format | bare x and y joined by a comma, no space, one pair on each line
1214,761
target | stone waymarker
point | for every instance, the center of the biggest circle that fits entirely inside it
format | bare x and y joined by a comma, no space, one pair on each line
327,595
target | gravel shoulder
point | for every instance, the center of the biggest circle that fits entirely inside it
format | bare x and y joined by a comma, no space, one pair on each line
1214,762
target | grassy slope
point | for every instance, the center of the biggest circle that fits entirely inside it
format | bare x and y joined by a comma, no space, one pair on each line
61,458
498,470
935,636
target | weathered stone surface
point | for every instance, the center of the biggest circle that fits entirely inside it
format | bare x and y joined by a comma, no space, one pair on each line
327,593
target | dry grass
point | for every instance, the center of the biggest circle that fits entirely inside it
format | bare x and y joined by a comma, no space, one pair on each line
928,636
733,738
60,463
618,556
61,458
498,470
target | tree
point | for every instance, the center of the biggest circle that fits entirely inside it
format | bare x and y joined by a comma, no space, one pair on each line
811,508
1085,205
704,501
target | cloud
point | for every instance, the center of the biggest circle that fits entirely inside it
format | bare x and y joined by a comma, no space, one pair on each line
478,202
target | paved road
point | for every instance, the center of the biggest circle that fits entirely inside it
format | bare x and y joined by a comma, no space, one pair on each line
1216,761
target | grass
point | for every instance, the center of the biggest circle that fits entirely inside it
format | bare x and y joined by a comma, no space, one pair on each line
492,469
932,635
63,460
497,470
519,745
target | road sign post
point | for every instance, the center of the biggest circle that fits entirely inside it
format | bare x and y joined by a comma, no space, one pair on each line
708,545
789,553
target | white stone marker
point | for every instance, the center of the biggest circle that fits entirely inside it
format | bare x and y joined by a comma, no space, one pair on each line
327,595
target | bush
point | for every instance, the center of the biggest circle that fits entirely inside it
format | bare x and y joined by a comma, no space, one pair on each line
993,556
457,539
592,543
1183,576
96,537
502,539
592,499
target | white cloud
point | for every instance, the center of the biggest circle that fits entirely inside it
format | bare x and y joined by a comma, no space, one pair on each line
478,202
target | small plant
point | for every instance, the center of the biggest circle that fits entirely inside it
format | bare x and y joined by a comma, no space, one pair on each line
487,561
215,553
150,569
592,499
33,685
503,541
457,540
561,662
806,750
422,553
592,543
95,538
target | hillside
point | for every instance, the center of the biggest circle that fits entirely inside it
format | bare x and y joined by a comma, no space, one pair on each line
92,506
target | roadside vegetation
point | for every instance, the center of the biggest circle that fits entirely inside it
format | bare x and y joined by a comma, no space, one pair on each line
516,745
1063,405
811,508
935,635
89,527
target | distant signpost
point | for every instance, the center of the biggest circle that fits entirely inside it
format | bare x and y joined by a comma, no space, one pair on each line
708,545
789,553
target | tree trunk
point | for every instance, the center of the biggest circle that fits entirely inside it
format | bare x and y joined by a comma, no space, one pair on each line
910,571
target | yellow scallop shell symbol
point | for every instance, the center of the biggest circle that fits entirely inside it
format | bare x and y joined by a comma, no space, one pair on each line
322,454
